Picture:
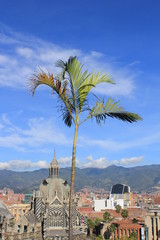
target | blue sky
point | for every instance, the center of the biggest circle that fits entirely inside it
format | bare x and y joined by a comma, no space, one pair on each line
120,38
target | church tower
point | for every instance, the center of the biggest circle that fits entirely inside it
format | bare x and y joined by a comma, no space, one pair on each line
54,168
48,218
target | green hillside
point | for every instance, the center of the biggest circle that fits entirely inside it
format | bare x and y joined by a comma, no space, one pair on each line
143,178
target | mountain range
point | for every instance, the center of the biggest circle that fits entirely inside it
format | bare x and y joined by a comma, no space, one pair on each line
140,178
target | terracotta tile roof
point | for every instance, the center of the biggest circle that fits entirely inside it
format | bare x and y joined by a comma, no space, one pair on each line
127,223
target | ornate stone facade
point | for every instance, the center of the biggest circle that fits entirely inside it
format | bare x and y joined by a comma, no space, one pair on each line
49,215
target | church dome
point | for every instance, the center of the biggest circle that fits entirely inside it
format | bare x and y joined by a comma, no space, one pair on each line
53,186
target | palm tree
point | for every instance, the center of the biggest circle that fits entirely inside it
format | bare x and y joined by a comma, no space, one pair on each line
73,87
91,225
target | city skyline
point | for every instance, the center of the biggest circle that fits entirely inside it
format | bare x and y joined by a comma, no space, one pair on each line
118,38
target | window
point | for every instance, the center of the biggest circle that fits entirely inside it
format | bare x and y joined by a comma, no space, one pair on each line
152,226
106,203
25,228
18,228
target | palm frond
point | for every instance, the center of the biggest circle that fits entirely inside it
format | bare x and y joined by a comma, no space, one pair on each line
59,87
67,118
92,81
111,109
64,66
95,79
38,79
81,83
73,69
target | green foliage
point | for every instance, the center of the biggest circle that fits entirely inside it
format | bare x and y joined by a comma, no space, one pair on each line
97,222
134,220
118,208
133,236
73,86
124,238
112,228
90,223
99,237
124,213
107,217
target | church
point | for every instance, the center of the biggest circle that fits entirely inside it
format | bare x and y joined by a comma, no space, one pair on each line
48,217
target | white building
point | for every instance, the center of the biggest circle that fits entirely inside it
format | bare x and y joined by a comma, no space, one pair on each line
121,191
104,204
120,195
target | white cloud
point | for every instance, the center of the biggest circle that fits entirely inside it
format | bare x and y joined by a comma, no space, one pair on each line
25,52
37,133
113,145
28,52
23,165
65,160
122,75
1,126
101,162
132,160
40,132
4,165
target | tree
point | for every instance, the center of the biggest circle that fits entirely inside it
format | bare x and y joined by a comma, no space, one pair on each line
91,225
107,217
112,229
97,222
135,220
73,87
118,208
124,213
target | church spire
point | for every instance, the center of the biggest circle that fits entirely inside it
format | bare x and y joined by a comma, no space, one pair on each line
54,167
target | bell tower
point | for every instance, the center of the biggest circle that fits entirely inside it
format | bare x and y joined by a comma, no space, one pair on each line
54,168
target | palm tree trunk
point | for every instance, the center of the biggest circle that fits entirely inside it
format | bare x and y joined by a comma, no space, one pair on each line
72,184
